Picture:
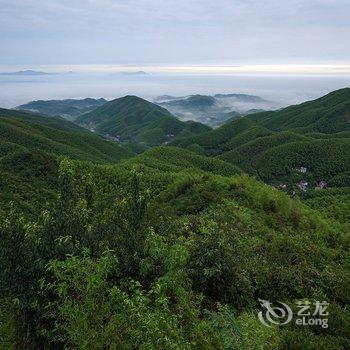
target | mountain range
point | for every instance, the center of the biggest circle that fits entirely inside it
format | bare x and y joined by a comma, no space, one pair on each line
328,114
22,131
131,118
26,73
211,110
273,145
69,109
155,233
270,145
214,110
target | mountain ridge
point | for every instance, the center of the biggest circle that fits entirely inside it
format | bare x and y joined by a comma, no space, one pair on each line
327,114
131,118
213,110
68,109
271,145
19,130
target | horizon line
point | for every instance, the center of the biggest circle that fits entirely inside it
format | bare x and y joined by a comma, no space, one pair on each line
303,69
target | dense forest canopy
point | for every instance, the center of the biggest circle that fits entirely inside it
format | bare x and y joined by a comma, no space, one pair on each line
132,118
69,109
171,242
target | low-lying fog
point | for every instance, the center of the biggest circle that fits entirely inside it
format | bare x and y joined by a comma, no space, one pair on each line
282,90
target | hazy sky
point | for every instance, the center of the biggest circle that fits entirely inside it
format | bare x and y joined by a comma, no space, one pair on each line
174,32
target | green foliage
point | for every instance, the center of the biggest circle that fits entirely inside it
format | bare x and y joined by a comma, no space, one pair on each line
55,122
328,114
247,154
133,119
69,109
19,130
27,180
143,258
256,335
196,149
174,159
304,339
333,203
324,159
272,145
340,180
214,142
171,249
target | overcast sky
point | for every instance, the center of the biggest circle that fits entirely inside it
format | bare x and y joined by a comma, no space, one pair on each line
174,32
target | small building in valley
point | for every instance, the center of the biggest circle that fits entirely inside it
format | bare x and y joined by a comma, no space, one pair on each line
303,186
301,169
321,184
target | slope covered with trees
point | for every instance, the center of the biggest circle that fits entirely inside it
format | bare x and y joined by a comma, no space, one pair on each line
328,114
132,256
131,118
174,247
175,159
23,131
69,109
273,145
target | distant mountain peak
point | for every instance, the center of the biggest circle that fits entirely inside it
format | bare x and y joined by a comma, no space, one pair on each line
202,98
132,118
140,72
68,109
213,110
27,72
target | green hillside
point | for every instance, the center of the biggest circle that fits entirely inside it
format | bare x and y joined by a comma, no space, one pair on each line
28,180
334,203
328,114
172,159
323,159
69,109
274,145
132,118
173,248
246,152
137,256
216,141
24,131
55,123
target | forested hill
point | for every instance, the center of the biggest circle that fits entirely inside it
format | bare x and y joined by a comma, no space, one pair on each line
55,123
172,248
274,146
328,114
173,159
152,254
131,118
69,109
25,131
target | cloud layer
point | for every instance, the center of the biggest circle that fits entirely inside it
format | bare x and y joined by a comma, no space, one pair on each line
174,32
